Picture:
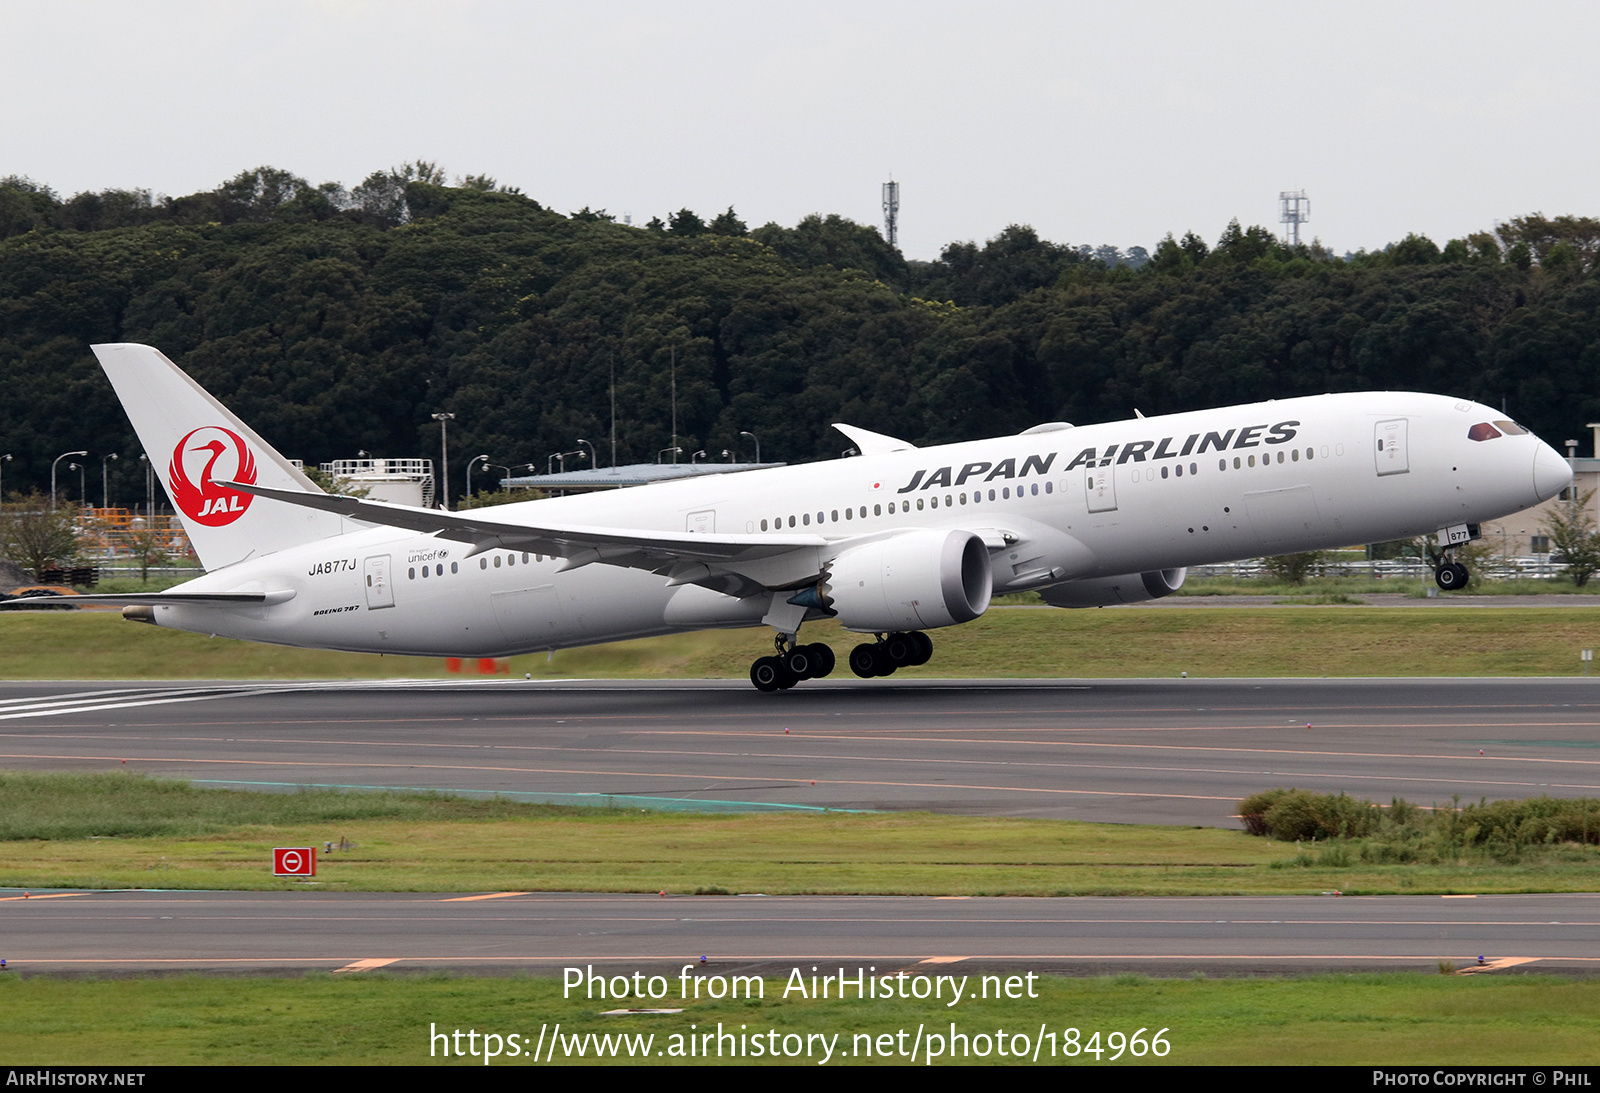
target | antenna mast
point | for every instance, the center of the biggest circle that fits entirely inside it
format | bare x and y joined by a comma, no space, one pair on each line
1294,209
891,212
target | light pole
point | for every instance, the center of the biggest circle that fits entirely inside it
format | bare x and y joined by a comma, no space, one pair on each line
83,493
470,462
695,458
752,436
444,421
53,464
105,487
675,450
4,459
149,489
594,457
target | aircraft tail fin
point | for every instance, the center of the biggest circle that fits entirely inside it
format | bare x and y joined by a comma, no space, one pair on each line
194,442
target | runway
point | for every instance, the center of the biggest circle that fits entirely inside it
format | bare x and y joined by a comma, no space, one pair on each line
1125,751
254,932
1168,751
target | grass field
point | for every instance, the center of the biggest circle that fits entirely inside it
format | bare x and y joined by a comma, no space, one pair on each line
1333,640
126,831
370,1018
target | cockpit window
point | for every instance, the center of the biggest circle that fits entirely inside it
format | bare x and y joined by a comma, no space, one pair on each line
1482,431
1511,428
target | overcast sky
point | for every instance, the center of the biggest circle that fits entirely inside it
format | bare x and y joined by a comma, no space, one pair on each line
1094,122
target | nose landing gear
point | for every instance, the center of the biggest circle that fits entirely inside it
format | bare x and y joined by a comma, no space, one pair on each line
1451,576
898,650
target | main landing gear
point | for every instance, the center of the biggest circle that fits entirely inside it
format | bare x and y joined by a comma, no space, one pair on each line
791,664
882,657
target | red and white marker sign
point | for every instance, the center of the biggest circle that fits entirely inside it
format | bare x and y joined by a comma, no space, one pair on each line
294,861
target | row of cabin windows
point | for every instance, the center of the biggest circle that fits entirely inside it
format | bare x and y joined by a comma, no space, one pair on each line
483,563
950,501
1250,461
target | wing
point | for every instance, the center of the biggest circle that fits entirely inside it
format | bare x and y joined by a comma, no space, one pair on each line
868,442
738,565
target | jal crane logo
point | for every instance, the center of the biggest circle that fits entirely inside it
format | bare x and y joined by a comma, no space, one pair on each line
205,455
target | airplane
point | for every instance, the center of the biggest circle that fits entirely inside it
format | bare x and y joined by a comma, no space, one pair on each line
894,543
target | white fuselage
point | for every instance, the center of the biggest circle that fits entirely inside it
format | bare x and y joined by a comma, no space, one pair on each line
1123,497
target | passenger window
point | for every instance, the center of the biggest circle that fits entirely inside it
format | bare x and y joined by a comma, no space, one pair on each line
806,519
1295,455
438,570
455,567
1310,452
1034,489
524,557
511,559
948,501
1236,462
1194,468
877,510
1179,471
1222,464
411,574
933,502
763,525
1006,493
483,563
919,504
1049,487
1163,472
1252,460
424,572
835,516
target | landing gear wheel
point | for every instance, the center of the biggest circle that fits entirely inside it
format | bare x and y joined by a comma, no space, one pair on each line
1452,576
800,662
898,649
767,674
864,660
924,646
822,660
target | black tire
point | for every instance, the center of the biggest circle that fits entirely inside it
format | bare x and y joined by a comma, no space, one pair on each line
899,649
1451,576
822,660
767,674
886,666
864,660
800,662
924,646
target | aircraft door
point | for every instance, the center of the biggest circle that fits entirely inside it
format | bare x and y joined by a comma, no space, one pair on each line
702,523
1100,489
380,591
1391,447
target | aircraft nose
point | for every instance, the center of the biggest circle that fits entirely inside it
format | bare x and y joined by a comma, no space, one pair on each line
1551,474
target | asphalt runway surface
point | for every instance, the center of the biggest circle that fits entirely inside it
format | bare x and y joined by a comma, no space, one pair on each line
1124,751
1167,751
257,932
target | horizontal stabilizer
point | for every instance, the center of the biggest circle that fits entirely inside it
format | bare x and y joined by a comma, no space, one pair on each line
133,599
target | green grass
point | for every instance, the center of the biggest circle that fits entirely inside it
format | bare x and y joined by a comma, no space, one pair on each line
371,1018
126,831
1336,640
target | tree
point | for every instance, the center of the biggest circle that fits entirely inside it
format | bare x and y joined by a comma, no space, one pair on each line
1572,531
33,535
148,547
1294,568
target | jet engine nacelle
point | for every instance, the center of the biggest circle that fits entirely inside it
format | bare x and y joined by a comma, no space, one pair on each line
1109,591
917,580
